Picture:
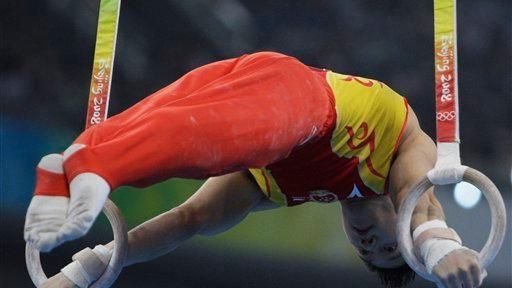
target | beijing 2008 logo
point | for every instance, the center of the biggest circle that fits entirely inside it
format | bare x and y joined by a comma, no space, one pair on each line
445,116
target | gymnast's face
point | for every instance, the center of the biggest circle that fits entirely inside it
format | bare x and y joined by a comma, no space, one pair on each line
370,225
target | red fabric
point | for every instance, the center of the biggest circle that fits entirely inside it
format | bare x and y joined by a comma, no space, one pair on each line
230,115
50,183
315,166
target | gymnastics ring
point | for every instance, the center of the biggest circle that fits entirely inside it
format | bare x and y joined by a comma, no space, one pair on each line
498,224
116,262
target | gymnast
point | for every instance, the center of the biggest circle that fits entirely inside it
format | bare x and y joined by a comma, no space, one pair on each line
267,131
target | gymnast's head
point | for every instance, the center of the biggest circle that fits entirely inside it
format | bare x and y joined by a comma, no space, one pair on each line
370,225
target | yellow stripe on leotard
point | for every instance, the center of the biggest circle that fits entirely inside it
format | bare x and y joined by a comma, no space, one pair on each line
268,185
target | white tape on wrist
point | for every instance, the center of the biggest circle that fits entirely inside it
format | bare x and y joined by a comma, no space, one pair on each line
434,250
76,274
435,241
436,223
88,265
103,253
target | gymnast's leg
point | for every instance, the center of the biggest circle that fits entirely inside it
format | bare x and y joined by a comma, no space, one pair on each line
220,118
252,112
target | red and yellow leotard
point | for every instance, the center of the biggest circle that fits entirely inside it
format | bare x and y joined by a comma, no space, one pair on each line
305,135
353,158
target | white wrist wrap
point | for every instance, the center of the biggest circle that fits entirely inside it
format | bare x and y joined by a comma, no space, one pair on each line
433,241
433,250
88,265
103,253
428,225
76,274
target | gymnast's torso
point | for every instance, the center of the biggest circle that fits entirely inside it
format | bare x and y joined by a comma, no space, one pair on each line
353,157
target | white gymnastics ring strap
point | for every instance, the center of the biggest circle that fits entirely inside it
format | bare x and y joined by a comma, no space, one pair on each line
115,265
448,169
498,224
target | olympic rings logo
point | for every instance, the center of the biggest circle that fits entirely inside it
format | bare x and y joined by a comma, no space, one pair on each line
445,116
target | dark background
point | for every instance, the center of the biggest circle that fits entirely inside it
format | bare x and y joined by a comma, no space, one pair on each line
46,51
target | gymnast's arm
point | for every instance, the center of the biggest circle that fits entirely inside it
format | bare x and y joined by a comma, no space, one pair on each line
218,205
452,263
416,156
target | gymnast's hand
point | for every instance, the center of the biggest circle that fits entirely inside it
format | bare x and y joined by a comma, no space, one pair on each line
460,268
441,249
59,211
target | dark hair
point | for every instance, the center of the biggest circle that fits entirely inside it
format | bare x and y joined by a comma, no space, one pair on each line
393,277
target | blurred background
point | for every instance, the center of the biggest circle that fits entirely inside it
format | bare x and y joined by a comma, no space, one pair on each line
46,60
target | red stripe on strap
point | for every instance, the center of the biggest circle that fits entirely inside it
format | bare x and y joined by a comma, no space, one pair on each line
446,89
